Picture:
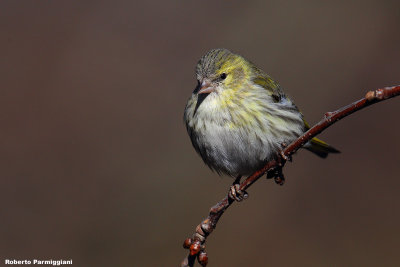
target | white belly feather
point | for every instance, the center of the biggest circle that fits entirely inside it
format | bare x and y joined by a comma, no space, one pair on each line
238,141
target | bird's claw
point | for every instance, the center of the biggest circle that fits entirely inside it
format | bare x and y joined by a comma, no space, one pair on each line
280,179
236,194
282,157
277,174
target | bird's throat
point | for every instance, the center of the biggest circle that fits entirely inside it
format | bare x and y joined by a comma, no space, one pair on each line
200,99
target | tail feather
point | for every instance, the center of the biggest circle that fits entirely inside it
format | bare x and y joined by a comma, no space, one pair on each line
317,146
320,148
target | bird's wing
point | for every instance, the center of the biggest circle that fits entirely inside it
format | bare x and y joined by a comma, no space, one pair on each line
263,80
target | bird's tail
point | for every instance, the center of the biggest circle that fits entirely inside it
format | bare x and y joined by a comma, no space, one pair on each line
320,148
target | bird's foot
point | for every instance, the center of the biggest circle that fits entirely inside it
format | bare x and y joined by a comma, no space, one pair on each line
277,174
282,158
235,193
279,178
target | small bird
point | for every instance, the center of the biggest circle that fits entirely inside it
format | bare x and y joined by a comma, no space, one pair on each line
238,118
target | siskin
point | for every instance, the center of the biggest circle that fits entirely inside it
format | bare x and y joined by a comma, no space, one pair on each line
238,118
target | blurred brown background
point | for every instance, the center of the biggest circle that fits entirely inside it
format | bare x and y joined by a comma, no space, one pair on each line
96,165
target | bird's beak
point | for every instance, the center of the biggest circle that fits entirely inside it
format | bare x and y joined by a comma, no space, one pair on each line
206,88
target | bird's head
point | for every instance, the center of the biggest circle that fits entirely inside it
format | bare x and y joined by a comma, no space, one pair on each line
221,70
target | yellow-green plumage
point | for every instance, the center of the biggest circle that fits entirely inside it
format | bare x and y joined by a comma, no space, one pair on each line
238,117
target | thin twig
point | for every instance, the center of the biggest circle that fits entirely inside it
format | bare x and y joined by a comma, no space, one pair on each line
196,243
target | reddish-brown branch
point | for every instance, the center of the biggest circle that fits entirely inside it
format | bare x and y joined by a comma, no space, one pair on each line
196,243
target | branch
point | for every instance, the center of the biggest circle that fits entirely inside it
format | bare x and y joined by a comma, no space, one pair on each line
196,243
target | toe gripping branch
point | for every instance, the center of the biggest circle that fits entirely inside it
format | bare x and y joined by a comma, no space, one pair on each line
277,172
235,193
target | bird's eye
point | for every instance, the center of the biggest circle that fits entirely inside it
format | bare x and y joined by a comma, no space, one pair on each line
223,76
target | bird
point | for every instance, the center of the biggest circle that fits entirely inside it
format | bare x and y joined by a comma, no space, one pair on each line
238,118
